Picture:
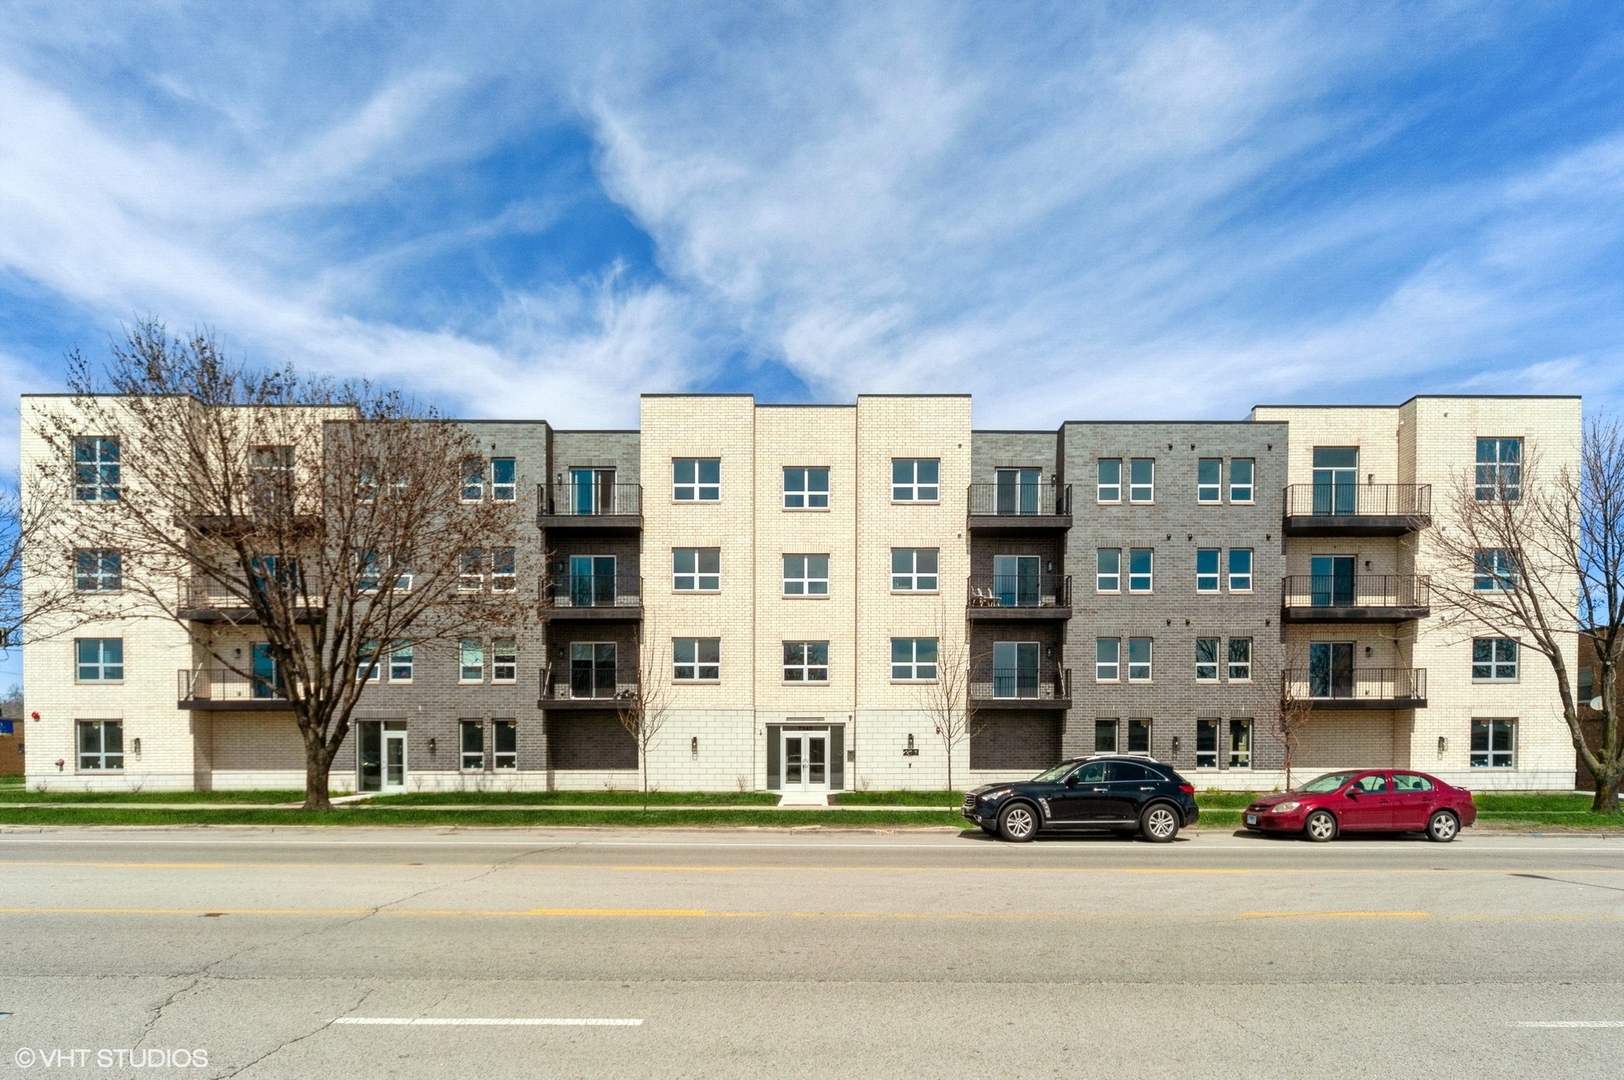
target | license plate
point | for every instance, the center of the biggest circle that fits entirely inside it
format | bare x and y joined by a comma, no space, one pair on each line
1251,819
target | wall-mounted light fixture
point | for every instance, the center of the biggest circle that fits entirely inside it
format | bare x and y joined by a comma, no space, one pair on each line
693,746
1367,564
1367,650
910,742
434,744
1175,744
1443,744
135,746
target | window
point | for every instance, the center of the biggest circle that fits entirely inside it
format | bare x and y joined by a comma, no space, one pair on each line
1105,736
593,669
473,479
696,659
98,570
1109,489
1240,479
471,577
1494,744
1403,782
1206,659
1206,744
1139,659
503,577
1108,570
913,659
507,743
1107,659
271,472
1494,570
806,661
101,745
368,668
806,489
1499,470
806,575
1140,564
100,659
504,660
1138,736
504,480
1494,660
1209,484
1587,685
913,569
400,663
1240,569
696,569
915,479
472,653
96,470
1206,570
1142,480
473,746
1240,744
696,479
372,571
1240,659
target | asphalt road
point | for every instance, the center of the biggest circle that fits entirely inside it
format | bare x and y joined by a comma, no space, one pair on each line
816,953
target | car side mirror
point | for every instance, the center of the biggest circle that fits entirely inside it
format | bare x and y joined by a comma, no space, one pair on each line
1352,793
1071,781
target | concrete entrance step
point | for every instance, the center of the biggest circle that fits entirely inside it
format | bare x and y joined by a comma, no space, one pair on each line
804,798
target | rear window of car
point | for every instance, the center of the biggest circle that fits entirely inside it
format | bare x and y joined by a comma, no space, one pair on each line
1410,782
1127,770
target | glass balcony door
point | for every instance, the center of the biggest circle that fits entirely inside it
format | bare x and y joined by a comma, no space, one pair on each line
592,491
592,580
1336,480
1015,580
592,669
1331,580
267,677
1016,491
1015,669
1330,669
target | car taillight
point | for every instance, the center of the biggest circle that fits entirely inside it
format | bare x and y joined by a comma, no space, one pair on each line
1188,789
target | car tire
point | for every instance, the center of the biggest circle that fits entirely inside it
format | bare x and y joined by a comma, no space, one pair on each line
1320,826
1443,826
1018,822
1159,823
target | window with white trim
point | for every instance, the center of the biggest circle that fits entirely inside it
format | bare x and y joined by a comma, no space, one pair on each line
1108,486
471,575
806,489
806,575
913,659
1108,570
696,659
1142,480
1240,569
471,661
1107,659
1209,476
1240,659
914,569
1206,659
1242,470
1494,744
506,734
473,746
1499,470
806,661
400,663
504,576
696,569
504,660
1139,659
1206,744
1494,570
1206,570
1141,564
98,570
504,480
1240,743
101,745
473,479
916,480
99,659
1494,660
96,469
368,667
696,479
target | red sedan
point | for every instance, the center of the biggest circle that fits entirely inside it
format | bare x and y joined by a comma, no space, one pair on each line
1366,801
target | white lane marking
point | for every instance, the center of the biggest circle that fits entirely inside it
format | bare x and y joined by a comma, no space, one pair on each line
458,1021
1569,1024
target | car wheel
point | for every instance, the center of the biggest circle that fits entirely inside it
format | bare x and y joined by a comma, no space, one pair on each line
1320,826
1160,824
1018,822
1443,827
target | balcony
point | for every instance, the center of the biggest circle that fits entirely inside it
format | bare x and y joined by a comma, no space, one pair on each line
1022,508
593,598
210,601
998,688
1018,597
1361,688
1329,598
586,686
224,690
1357,509
590,508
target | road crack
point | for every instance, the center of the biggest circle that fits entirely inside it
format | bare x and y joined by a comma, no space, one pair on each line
281,1046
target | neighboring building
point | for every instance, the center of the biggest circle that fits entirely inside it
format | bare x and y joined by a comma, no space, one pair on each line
11,746
794,575
1587,688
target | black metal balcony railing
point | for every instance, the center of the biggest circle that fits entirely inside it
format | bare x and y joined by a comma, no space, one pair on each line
594,591
223,684
1039,499
588,682
1358,684
203,594
1039,590
1356,591
590,500
1358,500
1021,684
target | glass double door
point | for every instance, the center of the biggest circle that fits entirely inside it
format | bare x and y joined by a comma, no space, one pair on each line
1016,580
1015,669
1330,669
592,491
381,755
1336,480
1331,580
806,760
592,669
592,580
1015,491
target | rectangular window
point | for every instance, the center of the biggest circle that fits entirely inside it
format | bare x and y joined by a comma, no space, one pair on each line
100,659
1142,480
915,479
504,660
806,489
1209,482
1240,479
271,472
1240,569
98,570
1240,744
1108,570
1206,744
1206,659
696,569
914,569
1139,659
1206,570
101,745
1499,470
504,480
473,746
368,667
507,743
473,479
1494,744
471,573
472,657
696,479
806,575
503,567
1141,562
1109,488
1105,736
913,659
1138,736
1494,570
806,661
400,663
96,470
1107,659
1494,660
696,659
1240,659
1587,685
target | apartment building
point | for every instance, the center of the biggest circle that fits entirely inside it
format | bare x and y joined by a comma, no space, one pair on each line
795,584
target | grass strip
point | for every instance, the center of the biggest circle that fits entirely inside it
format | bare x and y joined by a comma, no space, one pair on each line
578,798
897,798
58,815
47,797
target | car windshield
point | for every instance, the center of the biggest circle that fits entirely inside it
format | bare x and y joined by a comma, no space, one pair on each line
1054,775
1329,782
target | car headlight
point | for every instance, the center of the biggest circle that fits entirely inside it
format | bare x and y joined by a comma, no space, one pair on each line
994,796
1283,808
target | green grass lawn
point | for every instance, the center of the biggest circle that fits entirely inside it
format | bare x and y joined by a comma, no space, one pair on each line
897,798
541,816
25,795
599,797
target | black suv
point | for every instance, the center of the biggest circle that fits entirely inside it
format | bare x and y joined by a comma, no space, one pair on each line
1123,793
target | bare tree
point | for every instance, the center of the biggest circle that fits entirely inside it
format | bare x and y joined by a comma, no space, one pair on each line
1292,715
21,527
644,710
947,700
313,526
1538,556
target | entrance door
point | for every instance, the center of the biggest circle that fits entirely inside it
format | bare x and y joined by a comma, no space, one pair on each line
394,755
267,679
1331,580
1085,796
381,755
1336,479
592,491
1330,669
592,669
806,760
369,754
1015,669
1015,580
592,580
1016,491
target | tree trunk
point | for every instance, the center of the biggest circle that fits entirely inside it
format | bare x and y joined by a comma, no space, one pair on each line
318,763
1606,800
